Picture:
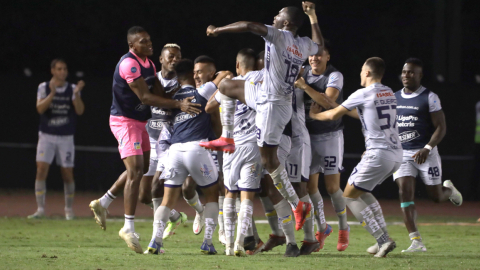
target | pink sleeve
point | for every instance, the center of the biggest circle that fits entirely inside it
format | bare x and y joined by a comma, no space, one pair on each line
129,70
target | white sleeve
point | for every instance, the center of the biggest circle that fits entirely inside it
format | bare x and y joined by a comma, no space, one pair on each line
354,100
335,80
272,34
312,47
207,90
42,91
434,102
73,94
217,97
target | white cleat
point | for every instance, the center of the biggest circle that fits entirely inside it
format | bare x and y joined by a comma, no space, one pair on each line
198,222
221,237
100,213
229,250
69,215
416,246
456,197
373,249
37,215
386,248
131,238
239,251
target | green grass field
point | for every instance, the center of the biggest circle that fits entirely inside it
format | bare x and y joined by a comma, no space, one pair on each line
81,244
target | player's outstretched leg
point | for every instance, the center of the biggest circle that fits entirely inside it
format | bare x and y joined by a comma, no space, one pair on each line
285,217
191,197
309,243
244,223
211,219
267,196
456,197
323,229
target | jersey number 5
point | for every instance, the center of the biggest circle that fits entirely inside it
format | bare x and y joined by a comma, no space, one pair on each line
386,116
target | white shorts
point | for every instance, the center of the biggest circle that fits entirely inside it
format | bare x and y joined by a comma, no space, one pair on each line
298,162
372,171
327,153
242,170
430,172
189,159
61,147
218,159
251,92
271,120
152,167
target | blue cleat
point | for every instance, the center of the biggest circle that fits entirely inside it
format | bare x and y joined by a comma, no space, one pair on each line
207,249
154,248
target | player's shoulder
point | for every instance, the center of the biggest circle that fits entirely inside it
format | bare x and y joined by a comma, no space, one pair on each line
335,75
42,85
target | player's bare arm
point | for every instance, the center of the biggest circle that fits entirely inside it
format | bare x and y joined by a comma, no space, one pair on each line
238,27
212,104
140,88
309,9
331,92
222,75
78,102
330,115
440,125
157,88
44,103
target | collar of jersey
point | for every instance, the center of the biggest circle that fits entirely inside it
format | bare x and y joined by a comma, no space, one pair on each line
187,85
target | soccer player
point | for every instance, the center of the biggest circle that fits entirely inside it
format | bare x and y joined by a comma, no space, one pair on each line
242,169
58,103
285,52
421,124
135,88
326,143
376,107
186,157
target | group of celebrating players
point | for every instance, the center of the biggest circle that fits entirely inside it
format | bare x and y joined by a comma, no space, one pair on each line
278,125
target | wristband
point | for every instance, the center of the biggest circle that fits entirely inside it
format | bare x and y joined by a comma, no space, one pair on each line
313,19
428,147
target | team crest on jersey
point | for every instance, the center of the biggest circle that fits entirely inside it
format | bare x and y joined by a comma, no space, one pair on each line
133,70
137,146
205,171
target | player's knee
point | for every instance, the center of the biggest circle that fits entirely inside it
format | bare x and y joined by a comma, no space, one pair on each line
135,174
42,172
331,189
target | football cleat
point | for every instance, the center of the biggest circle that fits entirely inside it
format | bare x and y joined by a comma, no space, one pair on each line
456,197
291,251
131,239
309,247
154,248
249,243
69,215
373,249
229,250
386,248
343,237
274,241
239,251
207,249
416,246
100,213
322,236
259,248
37,215
303,208
198,222
173,225
221,144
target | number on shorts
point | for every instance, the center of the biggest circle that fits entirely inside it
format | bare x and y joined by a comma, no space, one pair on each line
68,157
259,132
434,171
330,161
292,72
293,168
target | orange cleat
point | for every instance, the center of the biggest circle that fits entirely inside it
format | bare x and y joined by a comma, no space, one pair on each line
258,248
321,236
343,236
301,213
221,144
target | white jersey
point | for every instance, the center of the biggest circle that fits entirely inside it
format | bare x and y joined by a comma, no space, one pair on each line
244,128
284,57
377,107
167,84
299,128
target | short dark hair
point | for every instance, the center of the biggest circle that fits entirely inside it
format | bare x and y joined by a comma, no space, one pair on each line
415,61
55,61
184,68
327,45
295,16
248,57
376,65
135,30
204,59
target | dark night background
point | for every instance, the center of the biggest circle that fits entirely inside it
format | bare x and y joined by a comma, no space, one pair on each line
91,36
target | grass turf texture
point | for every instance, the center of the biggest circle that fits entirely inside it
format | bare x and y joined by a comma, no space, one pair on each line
81,244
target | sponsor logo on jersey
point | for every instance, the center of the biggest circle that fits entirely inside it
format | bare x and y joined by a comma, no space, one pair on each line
387,94
159,111
133,69
137,146
294,50
156,124
58,121
182,117
408,136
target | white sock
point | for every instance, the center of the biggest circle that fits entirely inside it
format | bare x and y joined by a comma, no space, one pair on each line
226,115
195,203
129,223
283,185
107,199
220,213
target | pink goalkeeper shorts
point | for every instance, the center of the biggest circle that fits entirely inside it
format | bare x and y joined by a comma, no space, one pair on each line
131,135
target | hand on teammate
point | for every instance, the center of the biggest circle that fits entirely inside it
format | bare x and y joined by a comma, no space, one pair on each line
308,8
300,83
315,109
79,87
187,106
52,87
211,31
421,156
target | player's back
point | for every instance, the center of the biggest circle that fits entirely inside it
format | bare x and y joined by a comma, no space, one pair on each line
376,105
284,56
